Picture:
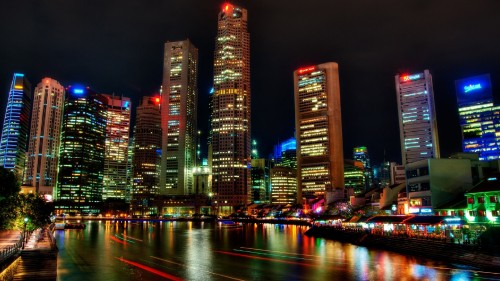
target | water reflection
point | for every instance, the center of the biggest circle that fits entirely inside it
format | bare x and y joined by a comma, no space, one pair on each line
205,251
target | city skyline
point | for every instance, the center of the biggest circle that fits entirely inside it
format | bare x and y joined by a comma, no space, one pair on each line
462,45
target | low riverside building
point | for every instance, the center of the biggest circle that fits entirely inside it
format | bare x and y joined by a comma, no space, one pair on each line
482,202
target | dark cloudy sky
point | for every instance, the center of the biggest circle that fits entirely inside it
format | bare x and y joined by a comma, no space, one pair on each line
117,46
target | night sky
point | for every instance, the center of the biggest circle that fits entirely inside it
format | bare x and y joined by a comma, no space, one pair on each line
117,46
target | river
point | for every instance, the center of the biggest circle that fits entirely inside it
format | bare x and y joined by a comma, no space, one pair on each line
206,251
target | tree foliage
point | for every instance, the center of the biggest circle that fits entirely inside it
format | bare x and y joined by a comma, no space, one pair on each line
9,185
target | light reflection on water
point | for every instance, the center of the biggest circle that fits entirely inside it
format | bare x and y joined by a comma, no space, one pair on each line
205,251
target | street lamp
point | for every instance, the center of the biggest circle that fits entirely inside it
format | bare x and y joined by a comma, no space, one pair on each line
24,232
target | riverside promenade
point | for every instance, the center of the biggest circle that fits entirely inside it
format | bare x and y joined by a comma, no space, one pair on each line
477,256
38,259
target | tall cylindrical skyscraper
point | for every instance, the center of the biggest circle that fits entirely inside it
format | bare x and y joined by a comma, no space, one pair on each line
16,126
318,123
231,103
43,149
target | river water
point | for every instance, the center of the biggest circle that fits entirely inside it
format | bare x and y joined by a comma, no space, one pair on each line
206,251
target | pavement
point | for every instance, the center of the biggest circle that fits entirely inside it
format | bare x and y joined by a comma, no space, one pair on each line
38,259
8,238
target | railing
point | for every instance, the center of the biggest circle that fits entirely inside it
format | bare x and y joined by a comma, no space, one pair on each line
50,233
12,250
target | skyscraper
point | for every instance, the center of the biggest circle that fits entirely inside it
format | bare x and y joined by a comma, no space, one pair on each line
179,111
81,159
14,140
479,117
43,148
116,154
360,153
417,117
146,161
231,101
318,123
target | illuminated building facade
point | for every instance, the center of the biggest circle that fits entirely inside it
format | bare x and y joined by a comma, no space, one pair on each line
417,117
285,153
283,185
479,117
354,176
147,156
231,100
178,109
116,162
45,133
14,140
318,124
261,181
81,159
360,153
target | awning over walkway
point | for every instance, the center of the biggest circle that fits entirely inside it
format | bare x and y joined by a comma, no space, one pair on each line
387,219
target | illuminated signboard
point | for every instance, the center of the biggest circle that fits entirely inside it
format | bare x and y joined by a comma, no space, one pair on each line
473,90
78,91
306,69
406,78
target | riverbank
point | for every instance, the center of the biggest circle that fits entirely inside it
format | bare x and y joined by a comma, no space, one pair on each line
466,254
245,220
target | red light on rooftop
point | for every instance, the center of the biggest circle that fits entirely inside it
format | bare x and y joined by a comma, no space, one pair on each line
306,69
157,100
226,7
47,81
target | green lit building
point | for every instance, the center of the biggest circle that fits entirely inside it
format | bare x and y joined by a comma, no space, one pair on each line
354,176
81,163
482,202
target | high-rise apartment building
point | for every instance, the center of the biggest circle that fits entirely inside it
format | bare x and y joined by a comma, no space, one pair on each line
318,122
231,101
179,112
81,159
15,130
45,133
116,158
417,117
479,117
147,156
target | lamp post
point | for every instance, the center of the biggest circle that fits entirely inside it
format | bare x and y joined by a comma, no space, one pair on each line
24,232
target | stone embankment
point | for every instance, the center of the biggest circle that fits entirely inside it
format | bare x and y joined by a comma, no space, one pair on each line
472,255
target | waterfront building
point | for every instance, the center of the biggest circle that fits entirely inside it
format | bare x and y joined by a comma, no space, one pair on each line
147,156
81,160
261,180
179,112
45,133
354,177
15,130
231,101
435,182
479,117
283,185
398,173
320,159
417,117
116,158
482,201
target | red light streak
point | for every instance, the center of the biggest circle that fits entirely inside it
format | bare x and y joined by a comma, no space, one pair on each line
306,69
150,269
117,240
262,258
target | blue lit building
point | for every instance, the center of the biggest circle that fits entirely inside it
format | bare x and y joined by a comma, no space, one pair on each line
285,153
479,117
16,124
81,161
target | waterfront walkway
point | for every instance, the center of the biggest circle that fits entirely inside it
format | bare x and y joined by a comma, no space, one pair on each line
39,258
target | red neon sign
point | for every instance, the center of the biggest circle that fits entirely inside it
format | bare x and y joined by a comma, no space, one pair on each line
306,69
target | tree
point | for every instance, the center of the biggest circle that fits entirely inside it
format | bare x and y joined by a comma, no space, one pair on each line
9,185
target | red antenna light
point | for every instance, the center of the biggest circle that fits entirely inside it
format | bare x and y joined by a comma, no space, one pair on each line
226,7
157,100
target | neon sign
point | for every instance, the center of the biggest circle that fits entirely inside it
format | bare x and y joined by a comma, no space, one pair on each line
306,69
407,78
469,88
78,91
